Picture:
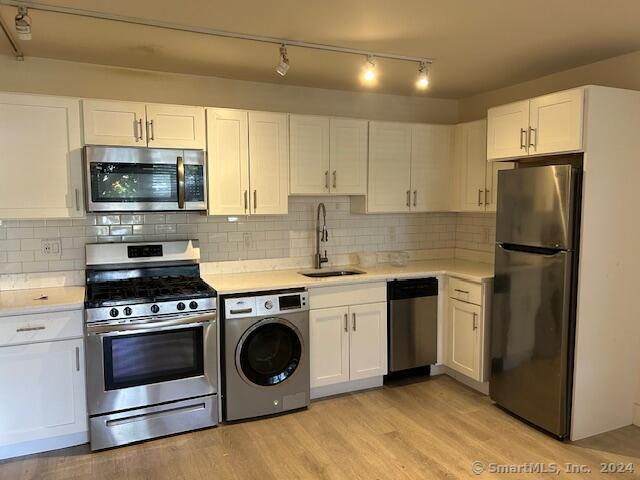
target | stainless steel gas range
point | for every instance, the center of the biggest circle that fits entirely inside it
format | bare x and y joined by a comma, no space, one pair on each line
150,342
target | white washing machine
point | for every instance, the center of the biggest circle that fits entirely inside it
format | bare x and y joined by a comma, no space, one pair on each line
266,353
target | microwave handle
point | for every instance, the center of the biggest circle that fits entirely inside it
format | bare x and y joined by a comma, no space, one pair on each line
181,193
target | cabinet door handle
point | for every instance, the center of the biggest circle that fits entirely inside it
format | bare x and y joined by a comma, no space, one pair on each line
486,197
346,322
479,197
533,140
77,200
77,359
475,321
138,130
354,325
326,179
523,138
334,179
151,132
408,198
246,200
255,200
415,198
30,329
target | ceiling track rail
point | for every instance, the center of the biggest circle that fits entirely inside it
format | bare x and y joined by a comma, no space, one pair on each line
14,46
208,31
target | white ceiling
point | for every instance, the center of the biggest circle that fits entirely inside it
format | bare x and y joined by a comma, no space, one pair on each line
477,45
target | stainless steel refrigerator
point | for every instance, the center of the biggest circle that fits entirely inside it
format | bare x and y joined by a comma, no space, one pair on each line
533,308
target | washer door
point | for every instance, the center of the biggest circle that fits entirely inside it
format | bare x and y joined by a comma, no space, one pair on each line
269,352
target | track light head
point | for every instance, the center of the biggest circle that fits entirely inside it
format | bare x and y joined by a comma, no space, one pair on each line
23,24
283,66
369,69
423,76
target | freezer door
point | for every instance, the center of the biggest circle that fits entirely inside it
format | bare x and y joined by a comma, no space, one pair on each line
536,206
531,336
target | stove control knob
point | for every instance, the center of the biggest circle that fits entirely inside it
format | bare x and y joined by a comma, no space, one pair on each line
268,304
193,305
128,311
180,306
113,312
155,308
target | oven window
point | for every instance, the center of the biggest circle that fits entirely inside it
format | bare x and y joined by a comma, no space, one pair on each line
144,358
134,182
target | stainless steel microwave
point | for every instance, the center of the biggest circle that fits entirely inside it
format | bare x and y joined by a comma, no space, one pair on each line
121,179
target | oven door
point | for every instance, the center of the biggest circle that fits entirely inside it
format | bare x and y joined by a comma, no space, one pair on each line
144,179
150,361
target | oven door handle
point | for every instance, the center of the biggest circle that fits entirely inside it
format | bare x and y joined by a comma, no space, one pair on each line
186,321
181,192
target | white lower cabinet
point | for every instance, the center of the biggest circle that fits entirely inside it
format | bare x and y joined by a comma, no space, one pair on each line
466,332
347,342
42,396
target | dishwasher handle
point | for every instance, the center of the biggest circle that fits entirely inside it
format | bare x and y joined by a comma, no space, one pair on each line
413,288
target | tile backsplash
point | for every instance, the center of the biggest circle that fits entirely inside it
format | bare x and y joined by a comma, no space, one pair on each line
245,237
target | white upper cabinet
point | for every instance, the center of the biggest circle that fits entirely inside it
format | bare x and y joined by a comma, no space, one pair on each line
327,155
491,188
389,167
556,122
175,126
348,156
40,157
131,124
309,154
507,130
228,161
107,122
269,163
248,162
431,167
476,180
544,125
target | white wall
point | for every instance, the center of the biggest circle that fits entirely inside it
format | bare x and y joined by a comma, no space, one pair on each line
621,72
56,77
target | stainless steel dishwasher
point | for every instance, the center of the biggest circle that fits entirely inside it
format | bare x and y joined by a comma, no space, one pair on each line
413,323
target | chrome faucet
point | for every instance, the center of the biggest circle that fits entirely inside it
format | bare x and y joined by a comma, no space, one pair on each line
322,235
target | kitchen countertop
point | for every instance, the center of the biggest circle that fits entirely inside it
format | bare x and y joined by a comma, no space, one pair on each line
24,302
281,279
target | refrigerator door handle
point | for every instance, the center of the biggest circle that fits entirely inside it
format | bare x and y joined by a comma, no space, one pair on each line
544,251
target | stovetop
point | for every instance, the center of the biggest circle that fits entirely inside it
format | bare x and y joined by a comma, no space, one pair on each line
146,290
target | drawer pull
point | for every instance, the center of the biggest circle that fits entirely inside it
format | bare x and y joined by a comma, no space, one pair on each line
30,329
466,292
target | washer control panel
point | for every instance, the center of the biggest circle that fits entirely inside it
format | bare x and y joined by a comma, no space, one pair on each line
263,305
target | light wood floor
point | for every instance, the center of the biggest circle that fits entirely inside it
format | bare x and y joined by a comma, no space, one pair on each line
428,429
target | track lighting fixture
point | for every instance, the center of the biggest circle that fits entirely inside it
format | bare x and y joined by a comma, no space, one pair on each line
370,69
368,74
423,76
283,66
23,24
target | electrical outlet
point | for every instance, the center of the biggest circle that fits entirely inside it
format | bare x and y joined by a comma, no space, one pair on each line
392,235
248,240
51,247
486,234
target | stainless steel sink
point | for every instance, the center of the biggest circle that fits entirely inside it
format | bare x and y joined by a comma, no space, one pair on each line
330,273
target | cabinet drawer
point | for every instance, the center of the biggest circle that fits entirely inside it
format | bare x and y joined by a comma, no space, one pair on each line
341,295
40,327
465,291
